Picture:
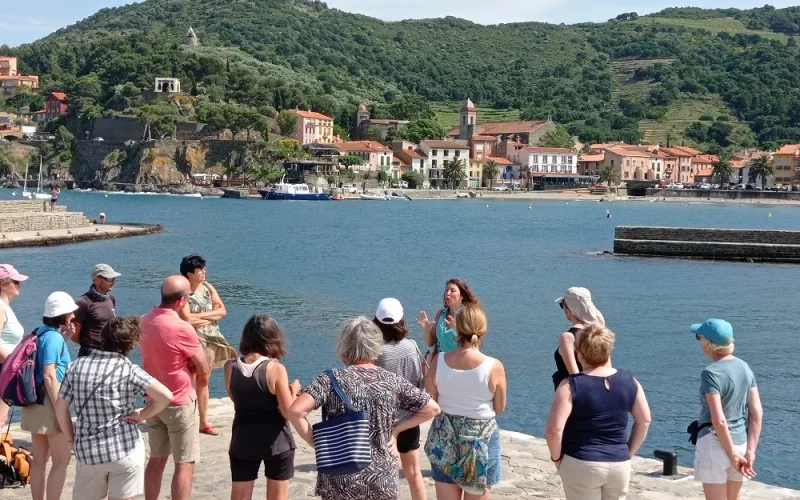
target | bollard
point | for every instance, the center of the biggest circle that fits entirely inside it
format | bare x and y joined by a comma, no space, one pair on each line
670,459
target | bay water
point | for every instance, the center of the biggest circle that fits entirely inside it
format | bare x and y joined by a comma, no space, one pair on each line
311,265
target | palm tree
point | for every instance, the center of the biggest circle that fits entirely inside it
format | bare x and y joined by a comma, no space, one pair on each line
525,173
762,167
490,170
723,168
609,175
454,172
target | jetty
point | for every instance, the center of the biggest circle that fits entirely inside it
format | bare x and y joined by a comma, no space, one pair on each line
750,245
27,223
527,471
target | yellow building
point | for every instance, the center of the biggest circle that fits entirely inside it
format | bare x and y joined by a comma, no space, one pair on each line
787,162
11,80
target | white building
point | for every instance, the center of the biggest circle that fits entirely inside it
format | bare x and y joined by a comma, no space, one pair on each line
545,160
168,85
439,152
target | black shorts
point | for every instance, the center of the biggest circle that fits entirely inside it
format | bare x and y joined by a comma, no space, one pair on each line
277,467
408,440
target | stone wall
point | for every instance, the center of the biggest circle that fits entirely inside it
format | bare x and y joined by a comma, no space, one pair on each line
717,244
42,221
117,129
724,194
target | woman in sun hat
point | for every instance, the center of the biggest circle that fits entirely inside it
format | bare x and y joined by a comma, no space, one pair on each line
401,356
11,331
730,415
40,420
580,311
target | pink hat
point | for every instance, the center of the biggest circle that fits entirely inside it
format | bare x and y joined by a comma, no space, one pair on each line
7,271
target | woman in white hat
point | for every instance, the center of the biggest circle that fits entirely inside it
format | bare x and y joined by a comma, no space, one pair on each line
580,311
401,356
40,420
11,331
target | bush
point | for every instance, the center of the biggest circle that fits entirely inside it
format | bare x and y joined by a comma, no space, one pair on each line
656,112
706,118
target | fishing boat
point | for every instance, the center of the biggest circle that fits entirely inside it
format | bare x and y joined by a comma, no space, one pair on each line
286,191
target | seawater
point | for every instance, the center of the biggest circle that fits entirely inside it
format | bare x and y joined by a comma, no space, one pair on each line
311,265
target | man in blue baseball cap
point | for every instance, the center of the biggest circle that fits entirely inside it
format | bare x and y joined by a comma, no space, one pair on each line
730,414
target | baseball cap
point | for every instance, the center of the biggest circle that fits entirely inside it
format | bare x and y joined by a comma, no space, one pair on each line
7,271
716,331
57,304
579,301
104,271
390,311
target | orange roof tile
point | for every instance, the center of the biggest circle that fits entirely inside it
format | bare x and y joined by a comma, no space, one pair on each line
705,172
789,149
443,144
534,149
503,128
61,96
592,157
312,114
483,138
500,160
702,159
362,146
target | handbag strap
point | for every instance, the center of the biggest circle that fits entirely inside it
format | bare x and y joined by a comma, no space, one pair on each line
86,401
339,392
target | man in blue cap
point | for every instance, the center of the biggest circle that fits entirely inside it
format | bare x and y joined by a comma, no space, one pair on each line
730,414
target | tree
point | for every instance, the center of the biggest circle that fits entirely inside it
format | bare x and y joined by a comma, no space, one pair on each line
763,167
414,179
525,173
374,134
347,174
412,107
490,171
349,161
609,175
158,117
287,122
64,138
454,172
383,176
723,168
340,131
557,138
420,130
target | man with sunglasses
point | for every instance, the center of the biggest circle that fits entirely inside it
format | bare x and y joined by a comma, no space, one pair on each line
95,309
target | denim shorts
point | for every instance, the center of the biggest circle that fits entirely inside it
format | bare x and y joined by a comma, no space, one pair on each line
495,465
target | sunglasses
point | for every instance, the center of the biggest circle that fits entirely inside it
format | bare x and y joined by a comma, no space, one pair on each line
561,305
110,280
698,336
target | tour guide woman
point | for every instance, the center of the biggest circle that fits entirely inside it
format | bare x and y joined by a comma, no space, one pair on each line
371,389
11,331
730,403
441,332
464,441
203,310
580,311
587,428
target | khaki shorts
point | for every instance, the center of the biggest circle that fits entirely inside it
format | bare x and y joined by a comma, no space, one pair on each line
121,479
711,462
175,431
584,480
40,419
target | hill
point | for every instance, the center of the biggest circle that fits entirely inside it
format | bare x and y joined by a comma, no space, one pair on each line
602,79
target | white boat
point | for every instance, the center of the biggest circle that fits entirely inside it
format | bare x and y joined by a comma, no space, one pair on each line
286,191
193,195
39,194
25,192
375,197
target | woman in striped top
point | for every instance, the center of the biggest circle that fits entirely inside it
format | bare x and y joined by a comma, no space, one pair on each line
401,356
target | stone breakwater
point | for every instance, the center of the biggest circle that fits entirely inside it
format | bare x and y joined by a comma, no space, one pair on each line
527,471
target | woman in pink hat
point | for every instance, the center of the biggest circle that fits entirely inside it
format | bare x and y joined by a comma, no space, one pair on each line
11,331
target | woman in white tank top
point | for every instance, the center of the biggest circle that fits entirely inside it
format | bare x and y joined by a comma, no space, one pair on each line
464,440
11,330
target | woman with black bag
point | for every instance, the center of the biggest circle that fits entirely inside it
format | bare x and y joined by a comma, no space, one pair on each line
362,399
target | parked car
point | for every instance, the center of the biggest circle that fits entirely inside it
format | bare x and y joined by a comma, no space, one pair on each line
750,187
715,186
400,184
501,187
350,188
705,186
98,139
677,185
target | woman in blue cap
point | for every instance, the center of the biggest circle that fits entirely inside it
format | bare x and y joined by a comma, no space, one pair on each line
730,415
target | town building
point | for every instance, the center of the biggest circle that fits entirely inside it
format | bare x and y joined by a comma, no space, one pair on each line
440,152
55,106
678,163
703,167
525,131
313,127
409,154
11,81
787,163
591,163
374,155
635,163
387,127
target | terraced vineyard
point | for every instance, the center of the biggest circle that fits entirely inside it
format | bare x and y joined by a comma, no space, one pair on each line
447,114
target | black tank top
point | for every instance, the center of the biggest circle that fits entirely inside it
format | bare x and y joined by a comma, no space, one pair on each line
561,367
259,429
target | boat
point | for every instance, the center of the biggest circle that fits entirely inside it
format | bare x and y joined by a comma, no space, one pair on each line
399,195
337,197
39,194
286,191
25,192
375,197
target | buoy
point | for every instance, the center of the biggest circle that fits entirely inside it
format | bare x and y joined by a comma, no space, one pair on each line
487,206
106,196
769,214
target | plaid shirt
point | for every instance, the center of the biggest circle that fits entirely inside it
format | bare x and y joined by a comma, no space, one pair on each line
101,433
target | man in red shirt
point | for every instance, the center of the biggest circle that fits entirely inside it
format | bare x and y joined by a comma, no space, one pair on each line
171,352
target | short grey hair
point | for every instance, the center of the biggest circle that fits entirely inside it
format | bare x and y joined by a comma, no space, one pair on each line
359,341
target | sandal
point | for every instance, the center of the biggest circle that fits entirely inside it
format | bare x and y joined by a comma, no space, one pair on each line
210,430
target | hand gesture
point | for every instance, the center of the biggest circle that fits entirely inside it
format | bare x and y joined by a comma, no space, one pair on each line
451,322
134,417
295,387
423,321
743,466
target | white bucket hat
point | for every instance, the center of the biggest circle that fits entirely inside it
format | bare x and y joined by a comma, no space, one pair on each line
579,302
58,304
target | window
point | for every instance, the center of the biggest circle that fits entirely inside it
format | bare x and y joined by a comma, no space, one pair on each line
434,152
569,158
433,163
446,153
563,159
457,153
535,158
554,159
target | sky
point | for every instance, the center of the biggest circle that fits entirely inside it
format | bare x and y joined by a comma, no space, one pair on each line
26,21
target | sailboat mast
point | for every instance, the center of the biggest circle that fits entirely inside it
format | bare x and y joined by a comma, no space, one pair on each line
25,182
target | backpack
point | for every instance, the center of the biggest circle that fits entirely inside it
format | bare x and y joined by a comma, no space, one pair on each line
15,463
18,385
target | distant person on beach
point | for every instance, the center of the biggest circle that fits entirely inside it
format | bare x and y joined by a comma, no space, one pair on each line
730,415
259,387
580,311
104,386
379,392
172,353
463,443
52,358
54,197
102,218
11,331
440,333
587,428
401,356
203,310
95,309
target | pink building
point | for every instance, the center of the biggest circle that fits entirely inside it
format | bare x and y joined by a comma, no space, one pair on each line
313,127
374,155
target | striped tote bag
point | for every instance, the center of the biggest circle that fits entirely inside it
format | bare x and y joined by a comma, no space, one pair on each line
341,444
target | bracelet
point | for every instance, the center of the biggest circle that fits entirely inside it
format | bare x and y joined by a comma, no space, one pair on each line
557,460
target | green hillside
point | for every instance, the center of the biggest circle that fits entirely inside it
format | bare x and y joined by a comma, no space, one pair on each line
626,79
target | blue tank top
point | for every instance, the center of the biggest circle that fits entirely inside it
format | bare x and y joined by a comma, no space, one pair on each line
596,430
446,338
